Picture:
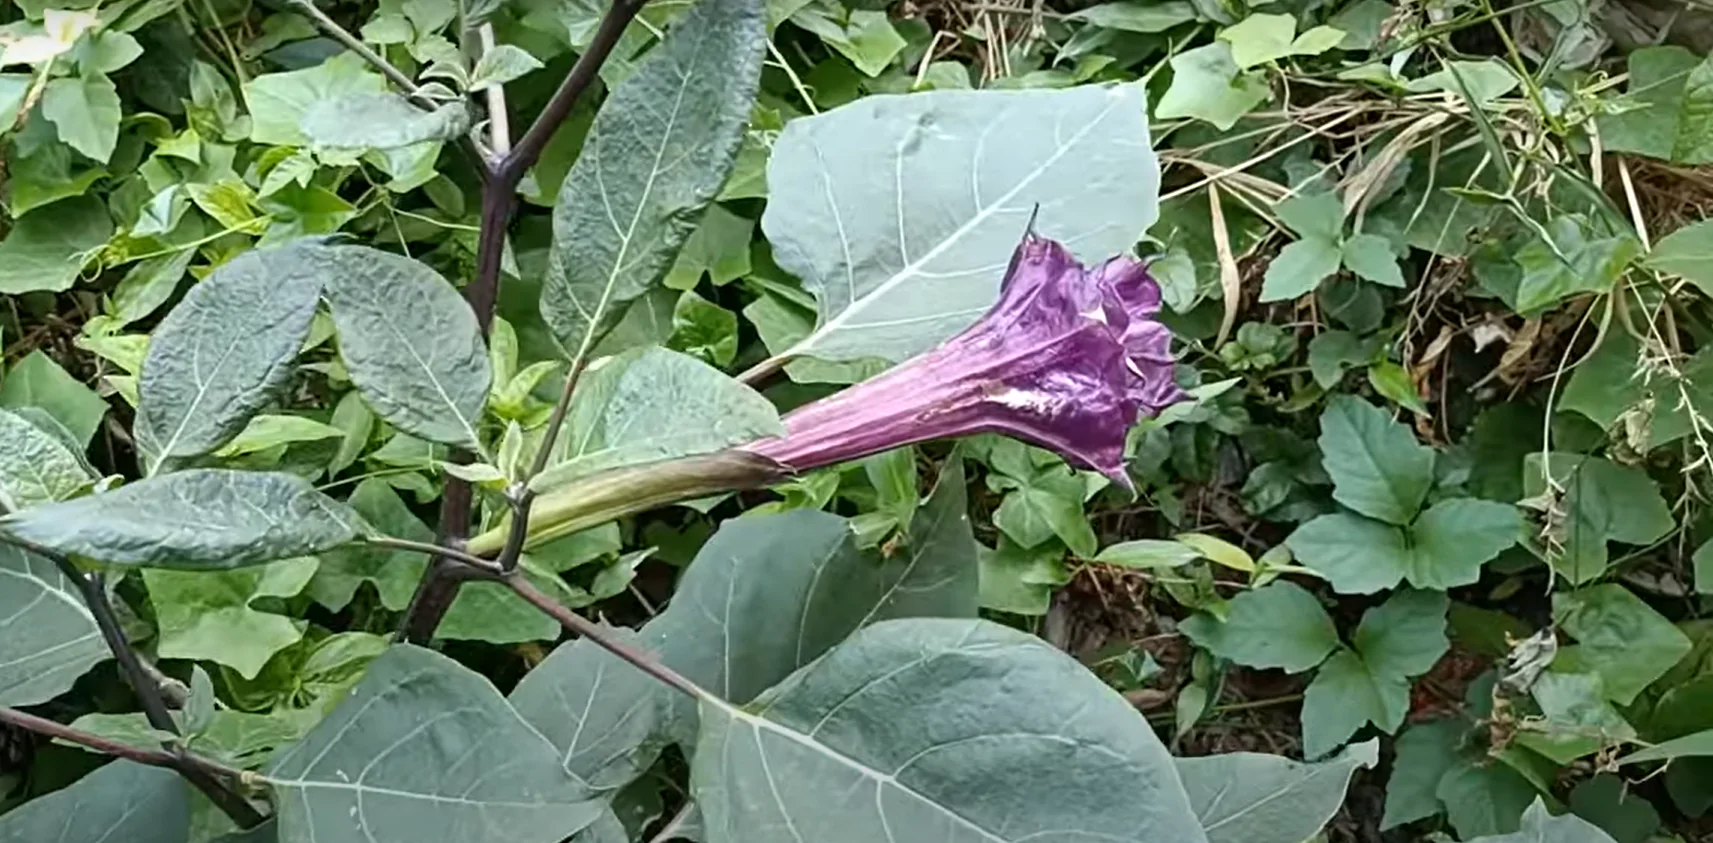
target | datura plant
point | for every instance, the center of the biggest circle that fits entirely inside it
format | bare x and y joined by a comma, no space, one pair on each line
528,422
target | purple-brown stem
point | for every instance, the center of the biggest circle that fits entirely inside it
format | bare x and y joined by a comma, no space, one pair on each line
439,586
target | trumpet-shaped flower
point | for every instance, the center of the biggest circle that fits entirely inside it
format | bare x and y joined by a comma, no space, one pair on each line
1067,359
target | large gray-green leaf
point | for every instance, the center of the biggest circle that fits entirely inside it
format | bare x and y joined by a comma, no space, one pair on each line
411,343
1540,826
603,714
196,520
35,467
933,730
657,154
425,750
770,593
48,638
226,349
653,404
122,801
900,213
765,596
378,121
1247,797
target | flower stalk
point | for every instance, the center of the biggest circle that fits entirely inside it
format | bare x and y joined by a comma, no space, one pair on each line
1068,358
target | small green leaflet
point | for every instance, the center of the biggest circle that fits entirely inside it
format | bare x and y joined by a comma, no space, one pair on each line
1424,752
48,638
226,349
1321,248
1695,745
903,232
278,101
1688,252
1264,38
659,151
1377,466
378,121
865,36
36,384
1247,797
1046,506
1574,262
198,519
410,341
1131,16
1444,548
86,110
981,698
1602,501
1618,636
1396,640
1208,85
1278,625
426,750
501,64
121,801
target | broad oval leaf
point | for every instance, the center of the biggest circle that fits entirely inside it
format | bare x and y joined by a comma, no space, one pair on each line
48,638
410,341
379,121
121,801
900,212
885,737
196,520
1247,797
226,350
35,466
653,404
723,630
604,716
658,153
425,750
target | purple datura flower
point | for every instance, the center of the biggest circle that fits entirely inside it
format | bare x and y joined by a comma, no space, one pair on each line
1067,359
